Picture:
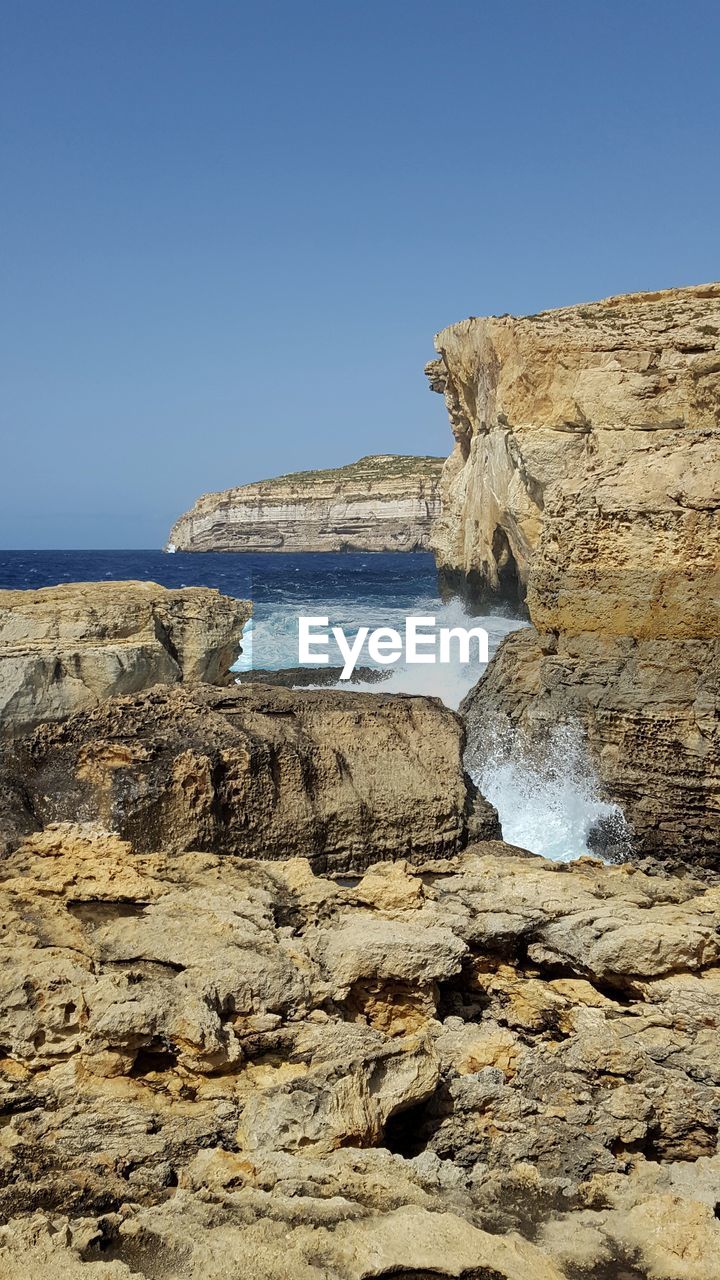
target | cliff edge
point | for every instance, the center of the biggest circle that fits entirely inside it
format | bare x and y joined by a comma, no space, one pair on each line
584,484
385,502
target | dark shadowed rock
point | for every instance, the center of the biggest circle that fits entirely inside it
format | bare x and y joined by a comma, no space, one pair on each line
266,772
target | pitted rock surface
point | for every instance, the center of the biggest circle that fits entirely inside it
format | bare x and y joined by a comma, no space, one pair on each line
342,778
517,1076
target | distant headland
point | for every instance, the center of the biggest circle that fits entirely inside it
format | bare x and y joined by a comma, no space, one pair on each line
385,502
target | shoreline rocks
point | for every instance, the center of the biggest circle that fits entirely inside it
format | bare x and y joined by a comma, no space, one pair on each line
341,778
67,648
583,483
380,503
489,1064
648,713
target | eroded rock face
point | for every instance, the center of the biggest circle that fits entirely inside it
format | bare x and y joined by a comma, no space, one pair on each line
488,1067
626,391
381,503
66,648
649,712
264,772
584,482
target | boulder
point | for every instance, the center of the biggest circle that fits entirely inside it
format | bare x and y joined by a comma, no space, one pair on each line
66,648
341,778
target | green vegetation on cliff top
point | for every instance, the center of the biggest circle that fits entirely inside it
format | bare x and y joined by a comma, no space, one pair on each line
380,466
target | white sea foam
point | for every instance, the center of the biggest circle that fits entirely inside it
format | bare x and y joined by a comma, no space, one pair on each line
245,660
273,645
548,805
548,801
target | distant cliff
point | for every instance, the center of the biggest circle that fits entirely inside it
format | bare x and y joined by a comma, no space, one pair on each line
381,503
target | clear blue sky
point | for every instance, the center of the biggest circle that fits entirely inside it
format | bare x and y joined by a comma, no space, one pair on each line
230,229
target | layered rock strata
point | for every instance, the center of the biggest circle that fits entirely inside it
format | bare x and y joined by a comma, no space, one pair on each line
490,1067
265,772
626,391
584,484
66,648
381,503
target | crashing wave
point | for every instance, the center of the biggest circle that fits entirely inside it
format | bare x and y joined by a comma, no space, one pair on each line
548,796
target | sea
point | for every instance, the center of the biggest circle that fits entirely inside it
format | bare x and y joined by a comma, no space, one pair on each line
548,806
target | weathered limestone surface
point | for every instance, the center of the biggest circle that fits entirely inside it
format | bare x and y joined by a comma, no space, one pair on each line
620,396
69,647
381,503
265,772
585,480
487,1067
649,710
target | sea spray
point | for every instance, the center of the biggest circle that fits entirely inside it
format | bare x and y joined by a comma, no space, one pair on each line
274,644
548,796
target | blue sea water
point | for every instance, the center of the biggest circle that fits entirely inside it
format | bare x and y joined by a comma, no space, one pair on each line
229,573
271,579
547,806
350,589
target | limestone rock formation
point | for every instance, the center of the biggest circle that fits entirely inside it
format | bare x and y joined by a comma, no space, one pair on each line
487,1067
254,770
66,648
381,503
584,481
620,399
649,714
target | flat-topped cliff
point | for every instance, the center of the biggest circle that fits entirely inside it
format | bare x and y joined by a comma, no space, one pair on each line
385,502
584,481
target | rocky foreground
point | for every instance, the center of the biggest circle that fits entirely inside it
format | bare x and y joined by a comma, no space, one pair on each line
488,1067
584,485
381,503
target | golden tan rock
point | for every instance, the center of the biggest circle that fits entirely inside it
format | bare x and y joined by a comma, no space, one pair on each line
66,648
627,389
201,1065
584,482
390,887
